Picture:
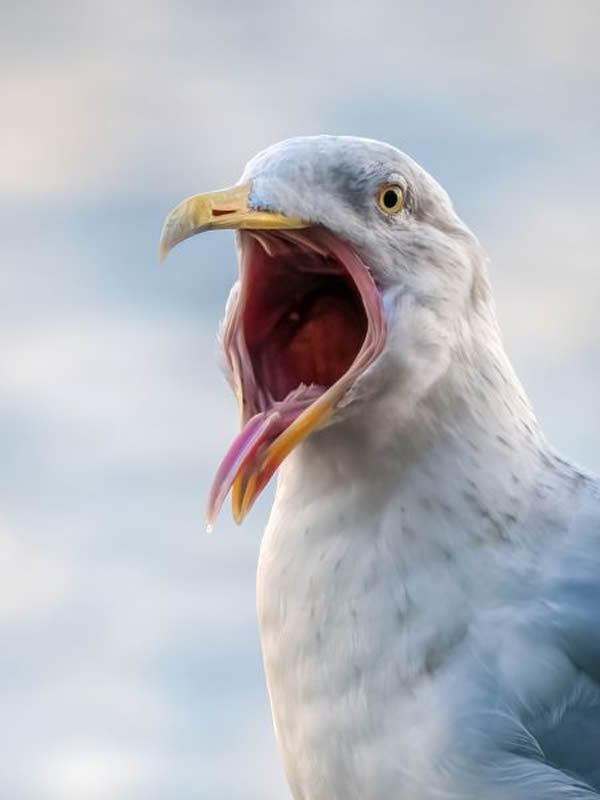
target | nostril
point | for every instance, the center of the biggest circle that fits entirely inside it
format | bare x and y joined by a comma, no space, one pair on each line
220,212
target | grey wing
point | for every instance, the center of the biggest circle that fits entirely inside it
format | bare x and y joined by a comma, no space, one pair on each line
570,736
527,691
573,745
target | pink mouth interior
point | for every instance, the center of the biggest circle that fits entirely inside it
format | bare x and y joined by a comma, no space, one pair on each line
301,325
308,316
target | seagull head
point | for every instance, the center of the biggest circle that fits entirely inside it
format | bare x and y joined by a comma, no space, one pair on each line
357,279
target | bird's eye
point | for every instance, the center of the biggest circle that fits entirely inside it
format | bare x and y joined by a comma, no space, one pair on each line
391,198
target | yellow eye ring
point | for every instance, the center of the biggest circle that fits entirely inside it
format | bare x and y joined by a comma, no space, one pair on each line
391,198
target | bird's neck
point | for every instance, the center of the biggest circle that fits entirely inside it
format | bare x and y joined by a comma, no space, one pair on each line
386,537
469,457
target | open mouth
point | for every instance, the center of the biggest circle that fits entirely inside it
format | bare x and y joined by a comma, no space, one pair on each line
308,322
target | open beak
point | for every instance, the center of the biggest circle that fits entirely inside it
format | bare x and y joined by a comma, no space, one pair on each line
280,408
229,209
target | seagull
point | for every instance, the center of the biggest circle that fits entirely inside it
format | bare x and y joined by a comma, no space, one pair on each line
428,586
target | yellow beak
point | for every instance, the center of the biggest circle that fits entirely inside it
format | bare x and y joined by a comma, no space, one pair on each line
247,487
225,209
230,208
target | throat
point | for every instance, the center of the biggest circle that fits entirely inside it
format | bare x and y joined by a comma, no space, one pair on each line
374,560
382,548
314,342
460,471
380,552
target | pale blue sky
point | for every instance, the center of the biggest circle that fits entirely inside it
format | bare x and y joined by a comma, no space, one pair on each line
130,665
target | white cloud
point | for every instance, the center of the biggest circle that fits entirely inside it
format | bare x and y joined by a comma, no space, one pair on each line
92,772
119,390
123,99
546,286
35,583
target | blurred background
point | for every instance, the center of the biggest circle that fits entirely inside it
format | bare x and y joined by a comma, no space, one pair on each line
129,657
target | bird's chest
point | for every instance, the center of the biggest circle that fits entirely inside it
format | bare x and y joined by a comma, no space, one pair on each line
354,636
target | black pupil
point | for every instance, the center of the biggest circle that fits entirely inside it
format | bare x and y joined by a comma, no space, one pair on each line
390,198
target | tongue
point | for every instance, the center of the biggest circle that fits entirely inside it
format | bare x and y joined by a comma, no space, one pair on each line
245,451
245,455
